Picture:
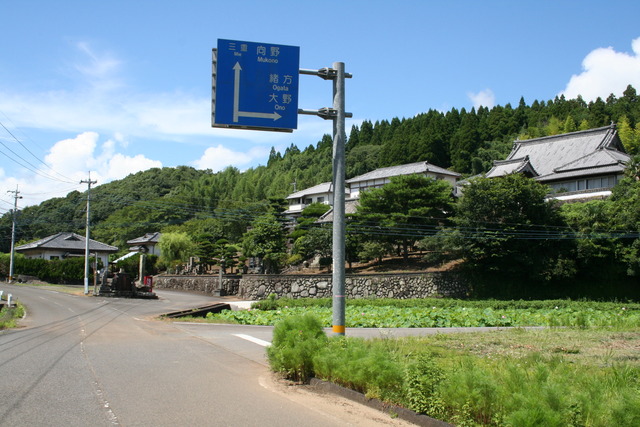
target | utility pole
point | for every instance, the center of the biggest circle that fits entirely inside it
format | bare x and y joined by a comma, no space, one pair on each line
16,196
86,247
338,201
338,115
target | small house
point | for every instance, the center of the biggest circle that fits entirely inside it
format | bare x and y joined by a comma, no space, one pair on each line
65,245
321,193
147,244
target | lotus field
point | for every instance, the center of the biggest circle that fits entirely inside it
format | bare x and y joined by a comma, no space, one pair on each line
442,313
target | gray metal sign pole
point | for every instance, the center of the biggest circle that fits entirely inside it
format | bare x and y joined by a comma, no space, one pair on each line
338,115
338,201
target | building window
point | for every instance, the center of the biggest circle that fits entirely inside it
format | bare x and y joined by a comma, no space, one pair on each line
594,183
320,200
585,184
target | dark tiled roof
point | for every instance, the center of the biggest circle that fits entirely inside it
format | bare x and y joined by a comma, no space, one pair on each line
554,157
325,187
147,238
67,241
408,169
522,165
350,207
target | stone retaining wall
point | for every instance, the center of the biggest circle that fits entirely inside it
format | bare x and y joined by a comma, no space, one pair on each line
206,284
259,286
399,286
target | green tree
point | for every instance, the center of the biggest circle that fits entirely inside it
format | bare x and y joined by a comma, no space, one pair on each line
625,213
629,136
404,209
569,125
205,247
308,217
266,240
505,228
317,241
584,125
176,248
362,159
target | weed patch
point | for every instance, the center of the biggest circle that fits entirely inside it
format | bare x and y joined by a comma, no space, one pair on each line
9,316
586,372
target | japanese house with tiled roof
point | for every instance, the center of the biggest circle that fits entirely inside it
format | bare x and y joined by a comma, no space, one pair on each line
576,165
379,177
321,193
64,245
374,179
147,244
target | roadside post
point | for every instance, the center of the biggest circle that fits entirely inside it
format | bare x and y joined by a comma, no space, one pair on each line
338,115
255,86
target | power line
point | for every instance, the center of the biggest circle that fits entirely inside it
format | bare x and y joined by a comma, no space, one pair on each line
64,178
67,179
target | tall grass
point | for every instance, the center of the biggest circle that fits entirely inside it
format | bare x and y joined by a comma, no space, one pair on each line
555,386
9,315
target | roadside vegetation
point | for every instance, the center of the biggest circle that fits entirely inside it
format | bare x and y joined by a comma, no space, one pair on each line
441,312
10,315
559,376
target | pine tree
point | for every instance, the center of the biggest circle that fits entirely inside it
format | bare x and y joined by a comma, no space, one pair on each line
569,125
629,136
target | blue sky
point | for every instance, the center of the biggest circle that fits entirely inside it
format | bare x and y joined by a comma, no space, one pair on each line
114,87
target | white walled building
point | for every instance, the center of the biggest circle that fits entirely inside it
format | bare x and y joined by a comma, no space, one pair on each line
321,193
65,245
379,177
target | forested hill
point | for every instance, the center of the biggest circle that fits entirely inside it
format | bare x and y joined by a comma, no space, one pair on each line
465,141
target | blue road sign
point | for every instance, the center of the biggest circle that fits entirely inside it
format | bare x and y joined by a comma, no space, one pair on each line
255,86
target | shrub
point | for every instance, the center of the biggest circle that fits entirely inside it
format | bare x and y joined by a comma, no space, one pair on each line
296,340
422,380
360,365
69,270
271,303
8,315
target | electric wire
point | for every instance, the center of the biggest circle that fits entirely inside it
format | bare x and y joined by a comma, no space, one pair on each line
438,228
64,178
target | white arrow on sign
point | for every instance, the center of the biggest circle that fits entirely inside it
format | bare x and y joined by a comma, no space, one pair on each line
236,101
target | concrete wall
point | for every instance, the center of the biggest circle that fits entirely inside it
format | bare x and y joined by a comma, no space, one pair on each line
259,286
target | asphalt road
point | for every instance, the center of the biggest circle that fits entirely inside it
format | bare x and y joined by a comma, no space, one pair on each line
88,361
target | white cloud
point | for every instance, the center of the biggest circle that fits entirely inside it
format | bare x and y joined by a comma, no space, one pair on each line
72,154
484,98
71,160
219,157
606,71
120,166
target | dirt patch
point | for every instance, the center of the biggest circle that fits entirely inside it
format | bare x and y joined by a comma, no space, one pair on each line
343,410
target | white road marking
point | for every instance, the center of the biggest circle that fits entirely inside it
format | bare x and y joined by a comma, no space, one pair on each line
253,339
